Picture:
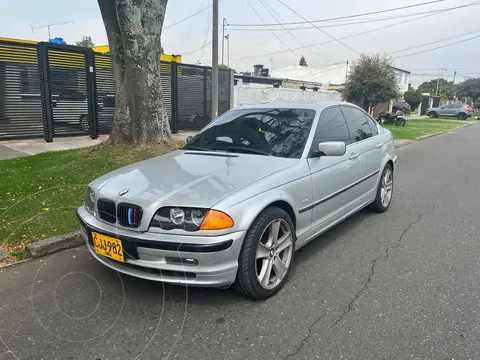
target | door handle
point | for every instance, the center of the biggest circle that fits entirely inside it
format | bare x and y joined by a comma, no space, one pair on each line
353,156
379,145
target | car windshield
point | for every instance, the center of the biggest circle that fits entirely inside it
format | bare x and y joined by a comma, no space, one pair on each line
280,132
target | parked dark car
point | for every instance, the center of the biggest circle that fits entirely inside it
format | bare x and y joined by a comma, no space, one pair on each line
400,105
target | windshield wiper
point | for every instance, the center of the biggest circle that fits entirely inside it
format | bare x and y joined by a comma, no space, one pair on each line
240,149
198,148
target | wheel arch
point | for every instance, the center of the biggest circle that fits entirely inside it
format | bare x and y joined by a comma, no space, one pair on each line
250,209
285,206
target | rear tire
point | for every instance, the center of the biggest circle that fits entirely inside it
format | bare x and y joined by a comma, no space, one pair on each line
266,259
462,116
384,191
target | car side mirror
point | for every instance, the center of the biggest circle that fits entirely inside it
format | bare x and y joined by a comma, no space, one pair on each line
441,107
188,138
332,148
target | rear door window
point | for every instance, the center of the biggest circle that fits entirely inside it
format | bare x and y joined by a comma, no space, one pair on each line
357,123
331,127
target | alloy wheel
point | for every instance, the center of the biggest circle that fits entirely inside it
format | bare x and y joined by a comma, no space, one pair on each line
386,187
274,253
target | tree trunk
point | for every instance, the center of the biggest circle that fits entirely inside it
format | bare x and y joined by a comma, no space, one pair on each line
134,29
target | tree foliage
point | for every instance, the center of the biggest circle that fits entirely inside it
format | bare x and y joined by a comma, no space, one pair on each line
413,97
134,30
476,105
469,88
303,62
446,89
85,42
371,81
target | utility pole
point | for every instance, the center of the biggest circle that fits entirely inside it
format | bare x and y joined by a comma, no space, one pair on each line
438,81
215,60
223,39
227,37
454,93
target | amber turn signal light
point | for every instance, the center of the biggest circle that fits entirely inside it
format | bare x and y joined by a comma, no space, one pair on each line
216,220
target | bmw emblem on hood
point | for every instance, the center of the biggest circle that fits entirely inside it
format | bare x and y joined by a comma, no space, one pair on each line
123,192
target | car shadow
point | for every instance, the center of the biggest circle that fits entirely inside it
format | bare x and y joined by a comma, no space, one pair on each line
201,296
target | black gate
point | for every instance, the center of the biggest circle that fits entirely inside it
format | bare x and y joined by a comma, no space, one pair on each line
105,85
61,90
70,95
20,92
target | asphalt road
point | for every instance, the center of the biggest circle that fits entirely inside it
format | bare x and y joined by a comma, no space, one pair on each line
404,284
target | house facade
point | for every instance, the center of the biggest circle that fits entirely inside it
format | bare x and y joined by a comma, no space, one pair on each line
403,79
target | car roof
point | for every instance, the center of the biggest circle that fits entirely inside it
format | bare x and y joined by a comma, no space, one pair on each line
309,105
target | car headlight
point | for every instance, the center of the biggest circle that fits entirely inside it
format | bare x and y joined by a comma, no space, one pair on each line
190,219
89,199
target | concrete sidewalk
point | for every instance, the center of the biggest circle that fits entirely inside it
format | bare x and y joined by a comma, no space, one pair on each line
20,148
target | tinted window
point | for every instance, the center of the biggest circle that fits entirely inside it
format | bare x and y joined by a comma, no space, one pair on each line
457,106
373,125
276,132
357,124
331,127
447,106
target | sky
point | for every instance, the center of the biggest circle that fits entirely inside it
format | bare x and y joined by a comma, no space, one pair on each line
397,30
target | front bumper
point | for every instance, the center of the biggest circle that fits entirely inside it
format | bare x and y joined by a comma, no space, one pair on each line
193,260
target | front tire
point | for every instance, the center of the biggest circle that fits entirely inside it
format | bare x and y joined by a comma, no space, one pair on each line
384,190
267,255
433,114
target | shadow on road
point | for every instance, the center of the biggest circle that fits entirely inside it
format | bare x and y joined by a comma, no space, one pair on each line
225,297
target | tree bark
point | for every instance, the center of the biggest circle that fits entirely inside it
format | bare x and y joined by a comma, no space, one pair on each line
134,29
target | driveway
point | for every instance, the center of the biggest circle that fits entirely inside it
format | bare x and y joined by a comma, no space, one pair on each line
404,284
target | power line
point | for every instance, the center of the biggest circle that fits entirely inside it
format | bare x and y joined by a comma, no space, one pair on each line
436,41
200,48
189,28
207,28
278,38
436,69
271,12
368,31
344,17
438,47
369,20
323,31
188,17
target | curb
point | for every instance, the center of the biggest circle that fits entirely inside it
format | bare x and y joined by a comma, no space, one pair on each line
2,267
431,135
405,143
52,245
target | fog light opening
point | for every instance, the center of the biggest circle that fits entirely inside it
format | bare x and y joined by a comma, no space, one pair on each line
181,261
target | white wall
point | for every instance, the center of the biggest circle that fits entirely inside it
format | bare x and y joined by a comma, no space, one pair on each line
403,79
251,95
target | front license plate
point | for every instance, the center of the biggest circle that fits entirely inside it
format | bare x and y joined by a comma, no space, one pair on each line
108,246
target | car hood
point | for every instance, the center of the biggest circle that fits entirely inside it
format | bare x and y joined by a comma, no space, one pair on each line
187,178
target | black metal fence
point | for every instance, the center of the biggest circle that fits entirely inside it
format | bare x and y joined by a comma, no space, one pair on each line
50,90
